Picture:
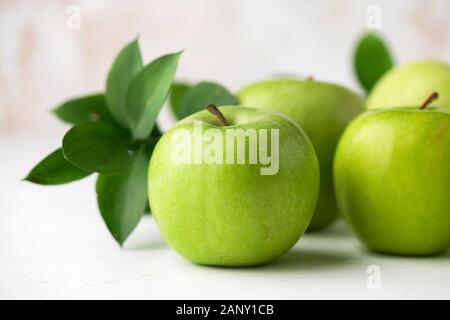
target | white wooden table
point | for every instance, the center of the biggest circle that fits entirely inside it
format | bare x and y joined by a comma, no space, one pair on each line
53,244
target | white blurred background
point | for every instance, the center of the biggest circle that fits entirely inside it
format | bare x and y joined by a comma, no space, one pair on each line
43,62
53,242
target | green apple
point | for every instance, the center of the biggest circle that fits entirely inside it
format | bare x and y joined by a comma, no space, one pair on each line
323,110
233,213
392,179
407,85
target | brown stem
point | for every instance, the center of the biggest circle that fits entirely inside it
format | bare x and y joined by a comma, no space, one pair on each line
310,78
219,115
430,99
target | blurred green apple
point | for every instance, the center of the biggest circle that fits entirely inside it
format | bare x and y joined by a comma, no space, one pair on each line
234,213
407,85
323,110
392,179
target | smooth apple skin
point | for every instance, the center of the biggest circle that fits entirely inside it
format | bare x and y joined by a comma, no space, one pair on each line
231,215
392,179
322,110
409,85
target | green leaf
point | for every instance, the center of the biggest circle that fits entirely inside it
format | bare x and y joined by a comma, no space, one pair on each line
204,93
94,146
156,133
371,60
84,109
127,64
122,199
147,93
176,97
151,144
55,169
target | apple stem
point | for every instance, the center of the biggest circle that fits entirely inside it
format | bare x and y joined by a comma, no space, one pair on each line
430,99
310,78
219,115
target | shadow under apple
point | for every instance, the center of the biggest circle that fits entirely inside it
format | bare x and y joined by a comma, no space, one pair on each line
299,259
